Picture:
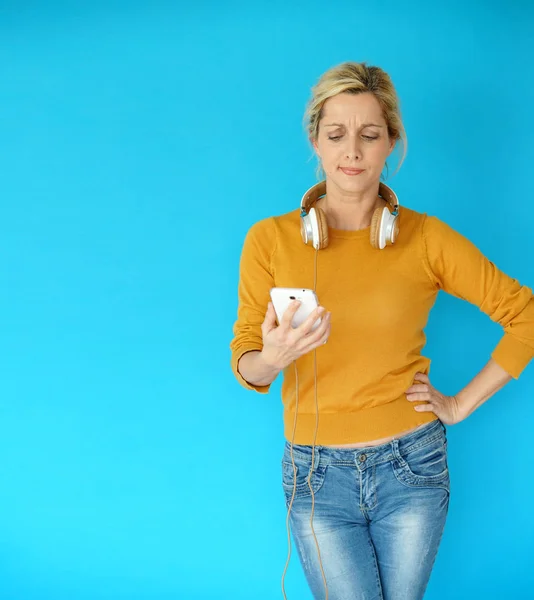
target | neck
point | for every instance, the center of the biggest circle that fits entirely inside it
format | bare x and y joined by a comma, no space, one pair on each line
350,211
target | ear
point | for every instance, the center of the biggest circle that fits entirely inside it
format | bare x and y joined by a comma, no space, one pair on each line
315,147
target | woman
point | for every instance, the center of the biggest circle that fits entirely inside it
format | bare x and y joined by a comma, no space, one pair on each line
369,491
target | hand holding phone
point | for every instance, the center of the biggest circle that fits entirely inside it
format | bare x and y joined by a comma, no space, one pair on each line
282,299
295,335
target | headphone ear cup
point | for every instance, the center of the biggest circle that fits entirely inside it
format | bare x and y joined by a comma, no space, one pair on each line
303,227
323,228
395,233
375,227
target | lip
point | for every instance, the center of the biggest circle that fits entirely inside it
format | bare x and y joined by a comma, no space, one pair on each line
352,171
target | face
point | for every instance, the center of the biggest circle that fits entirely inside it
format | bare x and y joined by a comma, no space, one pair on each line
353,134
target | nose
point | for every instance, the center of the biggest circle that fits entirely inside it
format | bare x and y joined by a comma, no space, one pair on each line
353,146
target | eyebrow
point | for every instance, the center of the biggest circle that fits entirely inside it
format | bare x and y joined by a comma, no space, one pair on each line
341,125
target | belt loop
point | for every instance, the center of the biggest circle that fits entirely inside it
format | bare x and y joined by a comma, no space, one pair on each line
395,448
316,457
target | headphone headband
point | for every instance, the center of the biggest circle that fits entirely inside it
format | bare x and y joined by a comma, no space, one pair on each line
311,196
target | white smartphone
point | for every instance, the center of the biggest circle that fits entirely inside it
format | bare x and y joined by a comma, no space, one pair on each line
282,298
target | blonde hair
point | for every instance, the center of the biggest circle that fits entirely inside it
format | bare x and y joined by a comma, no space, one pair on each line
355,78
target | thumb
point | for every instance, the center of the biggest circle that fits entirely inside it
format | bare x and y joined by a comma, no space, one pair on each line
270,316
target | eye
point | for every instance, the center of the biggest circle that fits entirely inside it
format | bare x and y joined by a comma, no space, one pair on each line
367,137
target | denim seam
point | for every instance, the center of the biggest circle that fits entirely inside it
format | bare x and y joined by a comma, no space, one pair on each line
429,484
416,445
377,572
304,488
421,444
324,460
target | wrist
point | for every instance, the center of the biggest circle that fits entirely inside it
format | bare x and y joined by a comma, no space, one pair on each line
462,406
267,362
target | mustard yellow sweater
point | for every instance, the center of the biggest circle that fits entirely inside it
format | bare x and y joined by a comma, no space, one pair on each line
380,302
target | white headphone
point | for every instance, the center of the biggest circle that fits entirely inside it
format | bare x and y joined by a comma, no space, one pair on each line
314,226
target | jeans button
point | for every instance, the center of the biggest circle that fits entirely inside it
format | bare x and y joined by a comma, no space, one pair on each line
362,457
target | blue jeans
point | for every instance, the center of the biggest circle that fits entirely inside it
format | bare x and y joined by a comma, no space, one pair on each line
379,514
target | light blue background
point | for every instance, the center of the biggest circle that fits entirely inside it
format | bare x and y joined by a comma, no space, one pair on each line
139,142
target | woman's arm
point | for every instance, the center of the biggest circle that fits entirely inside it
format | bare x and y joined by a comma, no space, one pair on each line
454,409
255,370
489,381
456,266
255,281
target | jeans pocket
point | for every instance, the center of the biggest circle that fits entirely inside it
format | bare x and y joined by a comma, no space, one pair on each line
424,465
298,479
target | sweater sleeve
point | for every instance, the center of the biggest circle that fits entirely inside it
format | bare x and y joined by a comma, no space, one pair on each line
255,281
458,267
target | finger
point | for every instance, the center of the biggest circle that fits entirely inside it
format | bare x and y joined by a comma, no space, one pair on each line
325,338
326,333
306,327
289,313
422,387
420,396
270,315
321,341
424,408
323,325
315,338
422,377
